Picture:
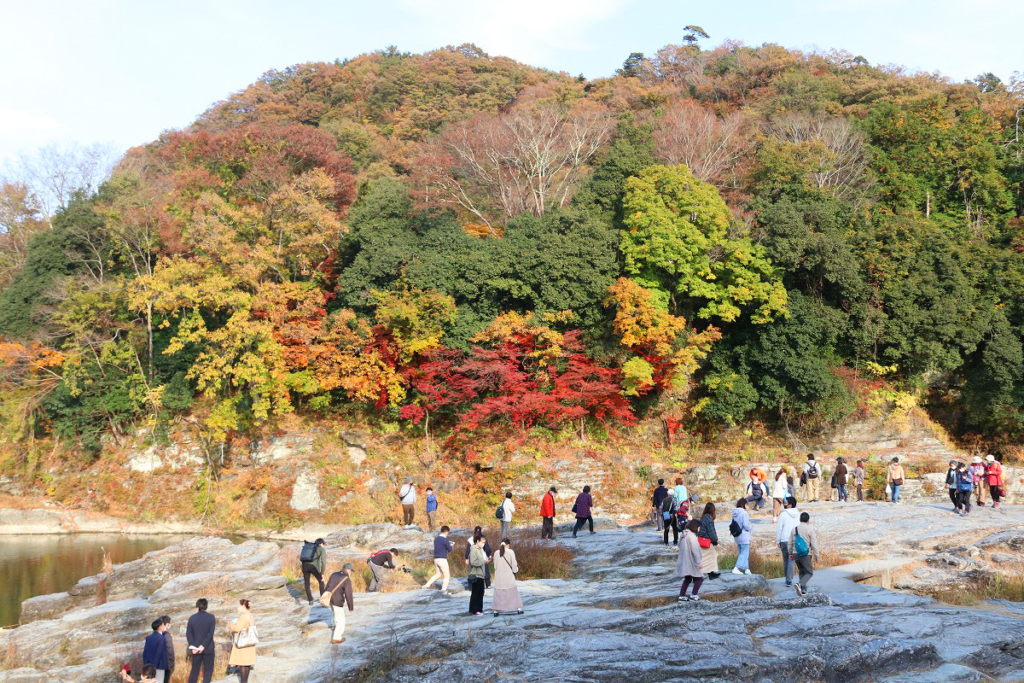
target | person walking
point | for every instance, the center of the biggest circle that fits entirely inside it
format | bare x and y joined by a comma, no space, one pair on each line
803,550
507,508
951,485
660,493
812,478
688,563
994,474
431,509
315,568
199,636
478,558
755,492
379,561
841,478
859,474
741,523
680,493
442,546
978,471
547,514
964,488
407,494
670,519
478,533
506,595
780,490
788,520
584,514
154,651
339,585
243,644
170,646
895,479
707,538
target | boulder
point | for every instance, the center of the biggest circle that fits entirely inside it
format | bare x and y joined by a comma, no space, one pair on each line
306,492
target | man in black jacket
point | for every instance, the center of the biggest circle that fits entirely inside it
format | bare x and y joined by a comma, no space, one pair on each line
656,500
340,586
170,646
199,636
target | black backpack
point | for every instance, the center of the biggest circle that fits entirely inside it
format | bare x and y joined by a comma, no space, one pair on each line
812,471
308,552
734,528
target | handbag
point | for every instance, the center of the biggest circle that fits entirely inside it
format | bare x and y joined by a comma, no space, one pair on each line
325,598
897,482
704,542
247,637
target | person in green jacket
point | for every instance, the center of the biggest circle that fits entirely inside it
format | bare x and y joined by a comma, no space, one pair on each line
315,568
475,575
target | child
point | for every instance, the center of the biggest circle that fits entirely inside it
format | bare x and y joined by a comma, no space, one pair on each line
148,675
803,552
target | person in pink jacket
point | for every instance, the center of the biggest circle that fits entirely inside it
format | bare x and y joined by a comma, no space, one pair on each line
994,474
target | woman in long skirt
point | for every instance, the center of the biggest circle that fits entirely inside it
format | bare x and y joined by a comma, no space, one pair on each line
506,595
708,538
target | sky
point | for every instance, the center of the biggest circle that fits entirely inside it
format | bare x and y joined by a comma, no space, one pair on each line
119,72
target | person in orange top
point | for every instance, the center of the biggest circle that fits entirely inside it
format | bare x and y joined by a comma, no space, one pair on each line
994,475
547,513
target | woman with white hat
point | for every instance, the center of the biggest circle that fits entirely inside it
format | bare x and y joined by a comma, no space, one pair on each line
994,474
978,470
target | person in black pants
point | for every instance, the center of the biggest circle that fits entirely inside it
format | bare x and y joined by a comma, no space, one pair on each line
668,507
315,569
199,636
477,563
582,508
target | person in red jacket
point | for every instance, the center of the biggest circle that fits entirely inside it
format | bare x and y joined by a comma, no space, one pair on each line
547,513
994,474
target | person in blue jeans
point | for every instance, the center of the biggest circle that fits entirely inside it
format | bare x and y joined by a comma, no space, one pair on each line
431,508
742,519
895,479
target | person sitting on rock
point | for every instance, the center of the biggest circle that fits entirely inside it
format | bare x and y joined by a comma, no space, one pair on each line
148,675
803,550
755,492
379,561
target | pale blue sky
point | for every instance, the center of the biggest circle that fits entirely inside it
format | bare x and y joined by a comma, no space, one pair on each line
121,71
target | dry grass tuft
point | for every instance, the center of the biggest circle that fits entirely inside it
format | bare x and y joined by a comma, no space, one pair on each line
979,589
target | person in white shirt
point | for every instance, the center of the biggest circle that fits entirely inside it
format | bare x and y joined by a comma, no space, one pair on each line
407,494
780,492
508,508
788,520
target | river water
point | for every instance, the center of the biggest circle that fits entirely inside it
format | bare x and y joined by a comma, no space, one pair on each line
42,564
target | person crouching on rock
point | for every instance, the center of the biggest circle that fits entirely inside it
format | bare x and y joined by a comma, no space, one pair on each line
339,587
148,675
688,564
506,595
755,492
243,646
379,561
475,576
707,537
803,545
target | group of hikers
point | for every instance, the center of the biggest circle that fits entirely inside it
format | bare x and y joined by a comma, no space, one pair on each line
965,480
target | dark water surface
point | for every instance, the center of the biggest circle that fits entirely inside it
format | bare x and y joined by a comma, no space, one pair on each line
42,564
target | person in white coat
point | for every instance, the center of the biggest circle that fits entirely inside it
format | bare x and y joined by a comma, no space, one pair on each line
506,595
508,508
780,491
407,494
788,520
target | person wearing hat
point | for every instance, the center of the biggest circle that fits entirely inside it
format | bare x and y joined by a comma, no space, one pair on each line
547,514
978,472
340,588
994,474
407,494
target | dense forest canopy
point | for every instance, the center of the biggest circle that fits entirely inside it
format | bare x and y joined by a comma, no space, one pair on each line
462,243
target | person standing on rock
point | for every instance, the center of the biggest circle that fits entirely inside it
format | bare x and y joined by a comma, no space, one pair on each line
379,561
741,523
431,509
688,563
670,519
442,546
951,485
803,546
407,494
841,480
994,474
780,490
707,538
170,646
506,595
243,654
660,493
154,651
680,493
964,488
547,514
895,479
339,585
859,475
584,514
315,568
478,558
788,520
478,533
199,637
811,478
978,470
507,509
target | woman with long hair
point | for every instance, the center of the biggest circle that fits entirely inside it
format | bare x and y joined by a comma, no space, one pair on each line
506,595
780,490
707,537
477,565
243,644
478,533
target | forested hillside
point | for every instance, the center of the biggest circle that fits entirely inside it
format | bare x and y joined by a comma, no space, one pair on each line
459,244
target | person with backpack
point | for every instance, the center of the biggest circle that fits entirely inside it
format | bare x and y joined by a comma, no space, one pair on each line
756,492
378,562
780,490
442,546
547,514
688,562
660,493
811,478
740,529
680,493
669,519
788,520
994,475
504,513
964,488
895,479
803,550
859,474
313,557
506,595
339,588
707,538
951,485
407,494
583,509
431,509
978,470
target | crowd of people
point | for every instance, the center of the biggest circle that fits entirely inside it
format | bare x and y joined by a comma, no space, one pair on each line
973,480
